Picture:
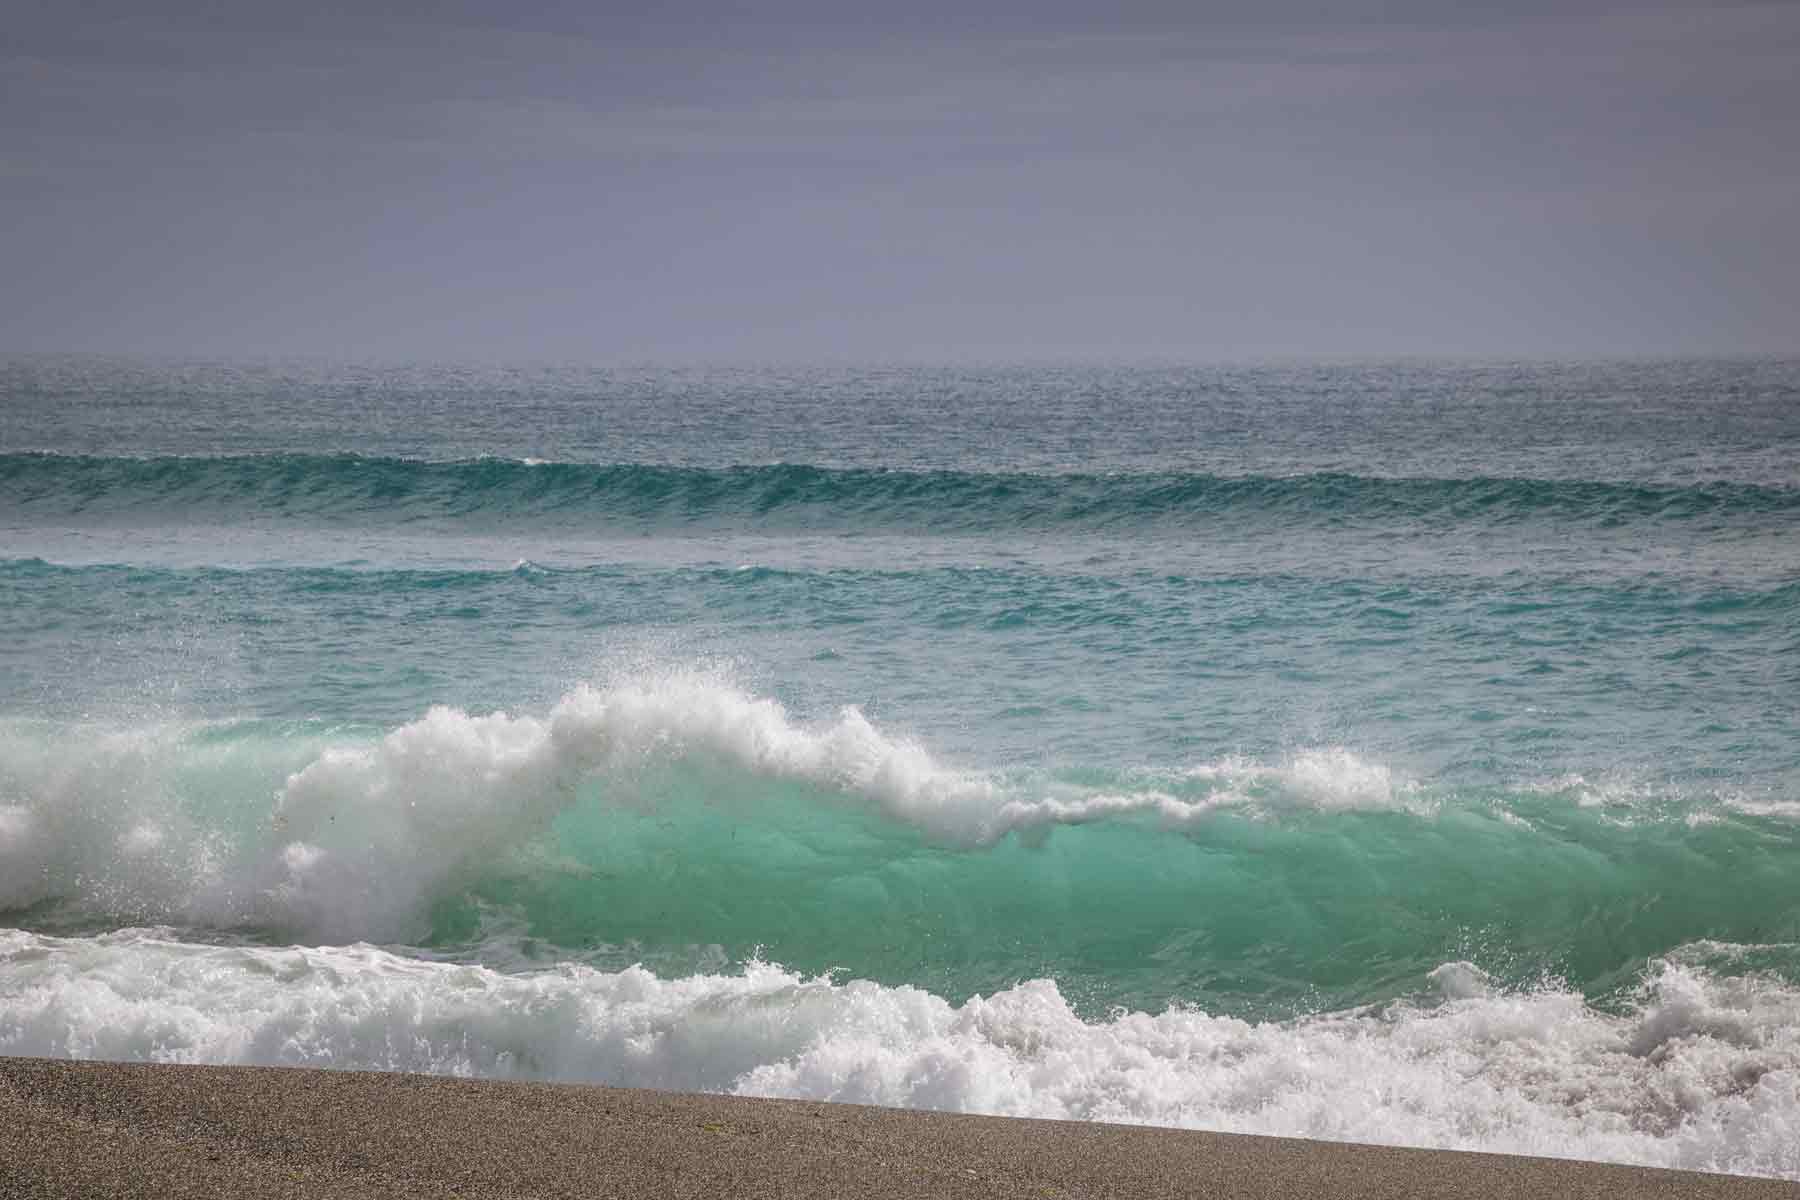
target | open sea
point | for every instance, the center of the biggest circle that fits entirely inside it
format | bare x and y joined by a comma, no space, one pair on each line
1390,752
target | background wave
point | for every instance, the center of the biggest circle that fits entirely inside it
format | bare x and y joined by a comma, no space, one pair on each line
396,490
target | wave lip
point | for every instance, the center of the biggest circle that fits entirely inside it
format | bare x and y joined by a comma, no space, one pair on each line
352,488
1698,1071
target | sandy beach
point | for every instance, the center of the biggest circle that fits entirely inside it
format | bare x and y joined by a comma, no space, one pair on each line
70,1129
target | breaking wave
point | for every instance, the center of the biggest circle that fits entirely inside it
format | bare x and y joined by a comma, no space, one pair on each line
674,817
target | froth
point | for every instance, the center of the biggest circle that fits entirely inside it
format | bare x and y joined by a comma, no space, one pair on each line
1624,797
134,819
1698,1071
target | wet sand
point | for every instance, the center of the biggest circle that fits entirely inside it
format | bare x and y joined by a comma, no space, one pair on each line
105,1129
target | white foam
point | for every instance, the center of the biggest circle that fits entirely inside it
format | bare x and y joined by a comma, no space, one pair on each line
1616,790
1627,795
1331,779
1703,1072
1787,810
114,814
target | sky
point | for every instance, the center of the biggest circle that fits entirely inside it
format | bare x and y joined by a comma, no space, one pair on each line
927,182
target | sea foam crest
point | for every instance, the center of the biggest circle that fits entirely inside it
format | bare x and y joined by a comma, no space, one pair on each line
1700,1072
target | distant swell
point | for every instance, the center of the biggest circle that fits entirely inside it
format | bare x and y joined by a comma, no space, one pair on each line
388,490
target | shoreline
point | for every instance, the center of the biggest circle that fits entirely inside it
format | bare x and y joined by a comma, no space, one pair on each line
79,1128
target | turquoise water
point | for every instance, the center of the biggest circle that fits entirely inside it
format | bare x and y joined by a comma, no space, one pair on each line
1400,752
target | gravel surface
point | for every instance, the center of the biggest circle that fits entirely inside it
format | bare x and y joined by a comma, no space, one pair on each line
79,1129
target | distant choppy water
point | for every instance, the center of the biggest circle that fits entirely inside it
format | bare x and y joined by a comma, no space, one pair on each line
1400,753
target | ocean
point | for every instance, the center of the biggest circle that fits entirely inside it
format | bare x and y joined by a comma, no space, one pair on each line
1390,752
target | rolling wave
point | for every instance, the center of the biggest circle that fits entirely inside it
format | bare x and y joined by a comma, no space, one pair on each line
674,817
393,490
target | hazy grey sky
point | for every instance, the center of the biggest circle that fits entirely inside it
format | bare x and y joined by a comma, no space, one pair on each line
928,181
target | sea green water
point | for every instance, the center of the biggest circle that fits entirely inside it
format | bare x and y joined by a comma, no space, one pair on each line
1402,752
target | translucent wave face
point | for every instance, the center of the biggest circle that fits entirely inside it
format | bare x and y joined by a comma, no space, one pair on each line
1699,1071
